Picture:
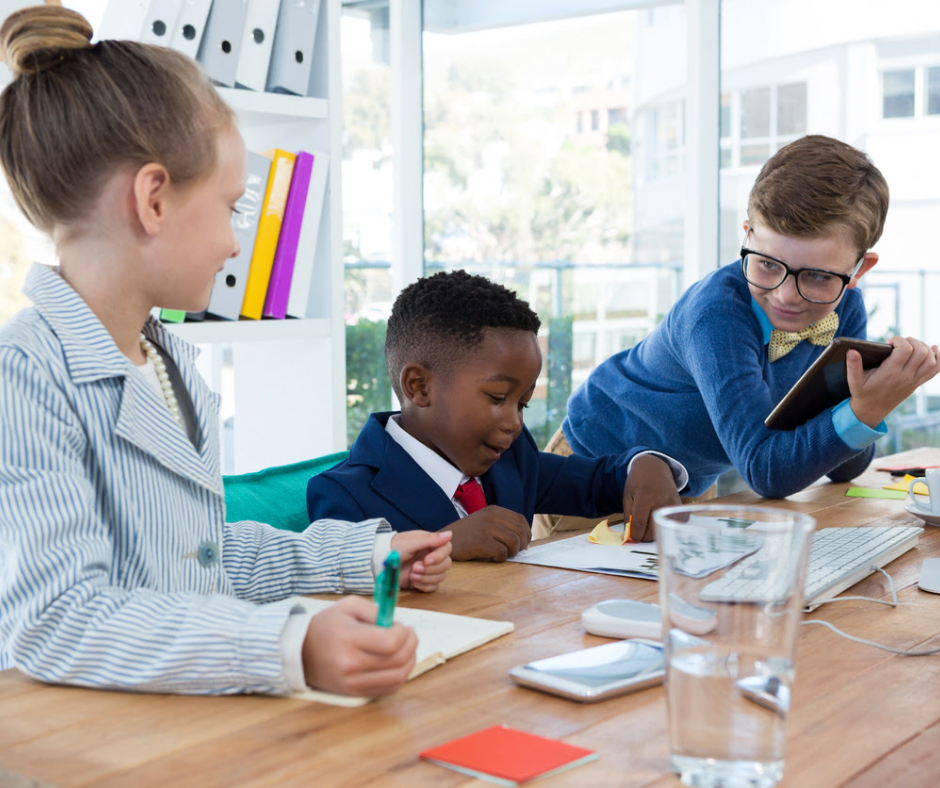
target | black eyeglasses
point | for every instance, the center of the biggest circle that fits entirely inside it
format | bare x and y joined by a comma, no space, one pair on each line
813,284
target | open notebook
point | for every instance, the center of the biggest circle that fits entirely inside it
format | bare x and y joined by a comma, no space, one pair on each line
441,636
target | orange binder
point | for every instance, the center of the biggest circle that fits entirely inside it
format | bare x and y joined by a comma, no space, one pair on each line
269,230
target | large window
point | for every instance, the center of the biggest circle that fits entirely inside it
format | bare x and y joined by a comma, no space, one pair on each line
367,207
872,80
539,140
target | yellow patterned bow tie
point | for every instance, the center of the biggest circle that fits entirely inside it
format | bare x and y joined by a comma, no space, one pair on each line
821,333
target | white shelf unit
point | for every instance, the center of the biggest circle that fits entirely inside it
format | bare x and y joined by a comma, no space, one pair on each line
288,380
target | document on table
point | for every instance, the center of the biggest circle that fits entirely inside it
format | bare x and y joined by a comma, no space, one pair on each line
641,559
636,559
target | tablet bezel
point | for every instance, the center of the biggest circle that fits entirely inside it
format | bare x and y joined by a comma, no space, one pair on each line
812,394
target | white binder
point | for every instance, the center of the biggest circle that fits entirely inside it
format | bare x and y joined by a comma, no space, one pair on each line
257,42
292,56
309,255
123,20
160,22
229,290
190,25
222,40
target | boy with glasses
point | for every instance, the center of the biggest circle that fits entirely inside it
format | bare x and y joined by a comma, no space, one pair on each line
701,384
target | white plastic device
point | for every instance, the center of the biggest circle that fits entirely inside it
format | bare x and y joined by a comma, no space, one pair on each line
623,618
631,618
930,576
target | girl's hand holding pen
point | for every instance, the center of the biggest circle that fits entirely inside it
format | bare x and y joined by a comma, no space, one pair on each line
425,558
344,651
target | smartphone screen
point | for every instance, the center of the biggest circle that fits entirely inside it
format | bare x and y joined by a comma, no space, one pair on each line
597,673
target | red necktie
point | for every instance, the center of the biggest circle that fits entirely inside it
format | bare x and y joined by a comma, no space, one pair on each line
471,496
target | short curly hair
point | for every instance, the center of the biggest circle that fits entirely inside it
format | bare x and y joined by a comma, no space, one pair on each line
440,319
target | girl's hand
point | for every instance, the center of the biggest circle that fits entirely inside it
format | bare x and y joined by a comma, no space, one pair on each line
345,652
425,558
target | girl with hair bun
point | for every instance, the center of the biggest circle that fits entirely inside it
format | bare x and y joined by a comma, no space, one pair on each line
117,568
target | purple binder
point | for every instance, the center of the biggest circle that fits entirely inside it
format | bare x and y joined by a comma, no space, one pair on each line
282,271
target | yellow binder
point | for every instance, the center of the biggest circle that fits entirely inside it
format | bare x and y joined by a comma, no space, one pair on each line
269,229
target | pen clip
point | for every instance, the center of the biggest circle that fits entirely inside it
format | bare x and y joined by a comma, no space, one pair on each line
386,590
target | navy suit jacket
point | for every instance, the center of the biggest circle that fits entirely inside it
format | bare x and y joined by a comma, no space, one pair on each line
380,479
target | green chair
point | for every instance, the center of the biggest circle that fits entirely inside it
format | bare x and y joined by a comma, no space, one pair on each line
278,495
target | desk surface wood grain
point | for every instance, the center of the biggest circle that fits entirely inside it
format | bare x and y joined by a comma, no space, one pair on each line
861,717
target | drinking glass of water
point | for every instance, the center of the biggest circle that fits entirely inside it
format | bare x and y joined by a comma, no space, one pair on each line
731,582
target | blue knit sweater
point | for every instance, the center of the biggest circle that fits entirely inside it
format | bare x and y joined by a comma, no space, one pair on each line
699,388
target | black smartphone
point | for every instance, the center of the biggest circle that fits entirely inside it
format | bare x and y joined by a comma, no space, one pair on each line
825,383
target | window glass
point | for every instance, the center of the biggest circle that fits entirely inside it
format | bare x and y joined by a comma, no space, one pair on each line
540,139
791,109
755,113
861,78
933,90
666,138
725,115
367,208
899,94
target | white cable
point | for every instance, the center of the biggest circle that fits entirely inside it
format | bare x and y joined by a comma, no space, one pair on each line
902,652
893,603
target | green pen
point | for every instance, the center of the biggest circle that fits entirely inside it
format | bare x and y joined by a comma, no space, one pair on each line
386,590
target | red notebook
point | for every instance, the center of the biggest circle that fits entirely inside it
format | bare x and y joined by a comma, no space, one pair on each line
507,756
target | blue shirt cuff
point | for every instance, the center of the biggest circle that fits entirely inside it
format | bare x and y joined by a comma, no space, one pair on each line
856,435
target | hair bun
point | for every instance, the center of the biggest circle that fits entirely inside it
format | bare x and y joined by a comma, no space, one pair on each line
33,39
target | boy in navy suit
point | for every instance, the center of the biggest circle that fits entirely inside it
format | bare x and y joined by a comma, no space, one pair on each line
463,357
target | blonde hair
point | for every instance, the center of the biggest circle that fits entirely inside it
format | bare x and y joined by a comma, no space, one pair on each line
76,112
816,185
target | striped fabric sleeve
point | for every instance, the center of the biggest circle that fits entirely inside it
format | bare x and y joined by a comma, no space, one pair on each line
67,612
266,563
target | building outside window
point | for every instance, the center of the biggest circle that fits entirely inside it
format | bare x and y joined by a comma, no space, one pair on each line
758,121
511,193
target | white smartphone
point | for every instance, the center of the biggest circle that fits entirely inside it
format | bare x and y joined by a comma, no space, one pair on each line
597,673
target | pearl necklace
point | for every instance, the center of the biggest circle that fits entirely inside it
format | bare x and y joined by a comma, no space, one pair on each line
164,378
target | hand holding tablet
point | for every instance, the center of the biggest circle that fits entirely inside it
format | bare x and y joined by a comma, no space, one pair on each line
825,383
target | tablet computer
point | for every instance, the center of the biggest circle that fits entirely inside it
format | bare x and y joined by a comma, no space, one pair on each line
825,383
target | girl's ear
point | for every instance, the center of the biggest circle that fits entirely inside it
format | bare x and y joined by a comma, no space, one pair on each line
151,196
415,381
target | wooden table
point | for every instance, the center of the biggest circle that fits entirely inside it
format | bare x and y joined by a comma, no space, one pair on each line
861,716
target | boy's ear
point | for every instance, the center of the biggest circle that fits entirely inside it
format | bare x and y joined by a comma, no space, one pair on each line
868,262
415,382
151,194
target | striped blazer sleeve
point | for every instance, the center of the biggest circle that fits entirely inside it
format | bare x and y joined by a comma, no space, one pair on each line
89,597
331,557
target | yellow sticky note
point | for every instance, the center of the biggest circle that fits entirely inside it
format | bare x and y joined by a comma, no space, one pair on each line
604,534
920,488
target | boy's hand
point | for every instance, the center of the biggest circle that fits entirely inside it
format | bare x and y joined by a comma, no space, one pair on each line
492,532
344,651
876,392
650,485
425,558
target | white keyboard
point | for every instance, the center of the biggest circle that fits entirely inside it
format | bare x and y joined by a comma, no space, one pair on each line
838,559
